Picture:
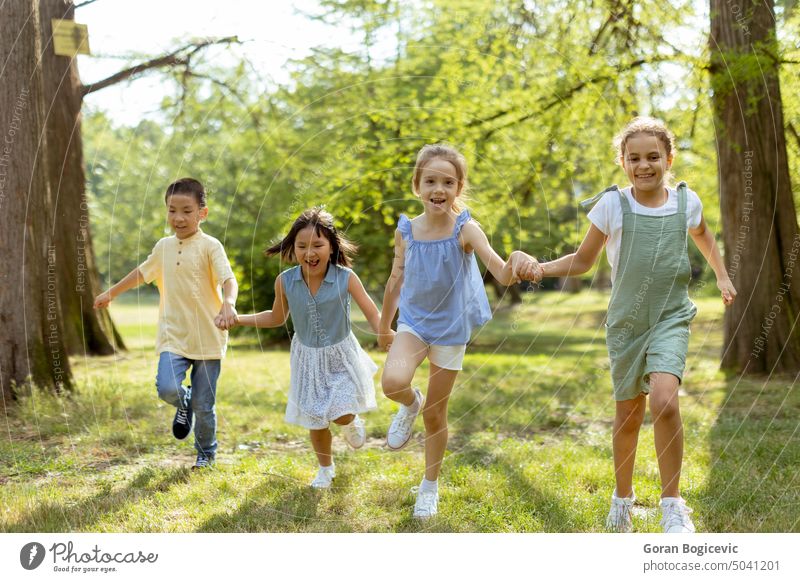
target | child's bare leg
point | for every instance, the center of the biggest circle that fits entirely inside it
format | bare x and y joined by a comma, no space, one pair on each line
405,355
668,429
321,441
628,420
440,385
344,420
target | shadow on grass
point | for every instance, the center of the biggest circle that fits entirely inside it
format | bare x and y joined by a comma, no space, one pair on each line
295,509
67,515
754,483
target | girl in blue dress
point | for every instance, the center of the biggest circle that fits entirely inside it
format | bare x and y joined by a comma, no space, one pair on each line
436,282
331,376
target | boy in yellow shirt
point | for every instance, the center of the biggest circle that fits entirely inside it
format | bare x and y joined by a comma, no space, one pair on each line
193,319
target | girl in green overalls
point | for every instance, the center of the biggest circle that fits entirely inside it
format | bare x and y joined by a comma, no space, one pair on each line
644,229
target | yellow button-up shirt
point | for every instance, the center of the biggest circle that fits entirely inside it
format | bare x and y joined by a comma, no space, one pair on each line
189,274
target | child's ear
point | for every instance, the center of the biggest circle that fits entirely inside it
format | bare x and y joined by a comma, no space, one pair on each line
204,213
669,161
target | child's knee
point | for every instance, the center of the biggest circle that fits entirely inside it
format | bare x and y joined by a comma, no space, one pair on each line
344,420
664,407
394,382
168,390
435,418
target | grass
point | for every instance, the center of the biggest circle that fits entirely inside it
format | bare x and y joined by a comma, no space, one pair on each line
530,449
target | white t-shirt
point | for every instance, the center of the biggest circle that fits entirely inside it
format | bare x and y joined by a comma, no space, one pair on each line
607,216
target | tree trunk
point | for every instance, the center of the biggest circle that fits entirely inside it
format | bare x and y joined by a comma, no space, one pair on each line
762,246
32,342
86,331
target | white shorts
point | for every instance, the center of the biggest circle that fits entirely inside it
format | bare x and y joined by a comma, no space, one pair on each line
447,357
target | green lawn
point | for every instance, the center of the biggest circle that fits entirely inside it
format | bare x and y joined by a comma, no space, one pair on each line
530,447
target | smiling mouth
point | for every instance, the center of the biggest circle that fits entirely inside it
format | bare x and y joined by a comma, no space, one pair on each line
438,201
644,176
313,263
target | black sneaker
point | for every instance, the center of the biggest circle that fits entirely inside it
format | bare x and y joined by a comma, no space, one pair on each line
203,461
182,423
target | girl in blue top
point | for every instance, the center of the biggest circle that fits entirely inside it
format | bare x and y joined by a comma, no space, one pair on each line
331,376
441,297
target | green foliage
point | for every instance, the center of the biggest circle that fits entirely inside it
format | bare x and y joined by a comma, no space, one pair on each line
531,93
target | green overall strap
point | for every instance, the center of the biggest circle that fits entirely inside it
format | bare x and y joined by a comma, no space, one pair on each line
588,203
682,197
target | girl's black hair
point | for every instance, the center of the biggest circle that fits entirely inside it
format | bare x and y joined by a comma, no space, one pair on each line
342,250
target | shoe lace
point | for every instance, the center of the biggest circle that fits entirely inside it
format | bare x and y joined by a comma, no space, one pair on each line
620,511
182,416
202,461
425,499
403,420
676,514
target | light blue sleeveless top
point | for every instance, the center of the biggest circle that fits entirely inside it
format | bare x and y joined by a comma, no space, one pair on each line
322,319
443,298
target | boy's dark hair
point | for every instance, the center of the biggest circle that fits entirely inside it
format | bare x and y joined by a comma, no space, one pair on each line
189,187
342,249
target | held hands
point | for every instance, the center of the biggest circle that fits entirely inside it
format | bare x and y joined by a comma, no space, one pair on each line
227,317
102,300
525,267
385,339
728,291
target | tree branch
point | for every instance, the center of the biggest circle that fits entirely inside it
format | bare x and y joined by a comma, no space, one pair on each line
181,56
564,96
85,3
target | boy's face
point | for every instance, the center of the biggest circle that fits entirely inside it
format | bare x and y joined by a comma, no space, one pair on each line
312,251
184,214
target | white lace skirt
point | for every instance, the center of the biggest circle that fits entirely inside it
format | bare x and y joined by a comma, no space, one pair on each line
329,382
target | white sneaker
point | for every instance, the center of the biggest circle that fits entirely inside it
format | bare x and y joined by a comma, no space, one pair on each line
675,516
427,504
354,433
402,425
619,516
324,477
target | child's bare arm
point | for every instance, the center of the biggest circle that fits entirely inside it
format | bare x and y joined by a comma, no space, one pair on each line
473,238
128,282
704,239
580,261
276,317
365,302
226,318
391,296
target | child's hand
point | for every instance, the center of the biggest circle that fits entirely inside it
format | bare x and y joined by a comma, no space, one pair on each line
728,291
102,300
525,267
227,317
385,339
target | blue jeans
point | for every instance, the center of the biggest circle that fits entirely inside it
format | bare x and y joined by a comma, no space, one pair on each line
201,397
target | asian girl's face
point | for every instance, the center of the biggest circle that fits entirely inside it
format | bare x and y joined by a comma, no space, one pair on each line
646,162
184,214
438,186
312,251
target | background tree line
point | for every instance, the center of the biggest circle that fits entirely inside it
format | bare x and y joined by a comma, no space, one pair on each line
531,93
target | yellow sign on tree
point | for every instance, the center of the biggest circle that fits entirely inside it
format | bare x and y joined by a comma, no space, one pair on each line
69,38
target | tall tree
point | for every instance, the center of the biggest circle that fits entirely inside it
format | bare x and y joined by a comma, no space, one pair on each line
32,336
762,246
87,331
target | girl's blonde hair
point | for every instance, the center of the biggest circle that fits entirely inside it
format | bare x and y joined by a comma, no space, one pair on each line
446,152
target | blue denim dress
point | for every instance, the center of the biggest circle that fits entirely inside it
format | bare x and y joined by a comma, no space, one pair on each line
443,298
331,375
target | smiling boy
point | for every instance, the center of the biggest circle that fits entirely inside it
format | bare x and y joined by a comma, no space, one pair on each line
188,268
